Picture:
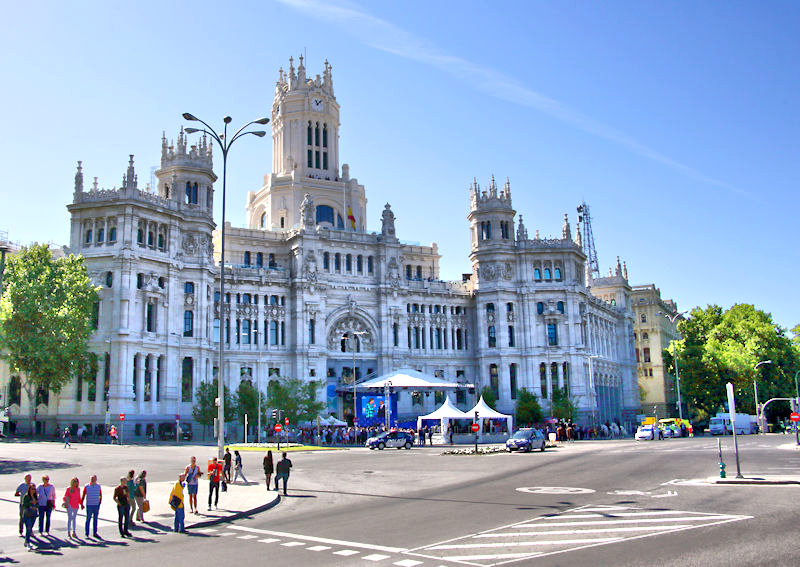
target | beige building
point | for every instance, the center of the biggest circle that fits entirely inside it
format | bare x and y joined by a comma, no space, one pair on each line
653,333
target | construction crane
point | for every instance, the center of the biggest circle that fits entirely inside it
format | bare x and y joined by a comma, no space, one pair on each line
585,219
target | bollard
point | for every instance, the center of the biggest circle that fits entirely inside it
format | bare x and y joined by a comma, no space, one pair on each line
722,473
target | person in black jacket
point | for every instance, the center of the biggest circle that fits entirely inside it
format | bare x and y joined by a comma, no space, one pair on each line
282,472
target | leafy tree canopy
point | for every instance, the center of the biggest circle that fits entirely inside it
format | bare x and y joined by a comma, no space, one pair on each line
297,398
247,402
204,410
562,406
724,346
528,411
488,396
46,317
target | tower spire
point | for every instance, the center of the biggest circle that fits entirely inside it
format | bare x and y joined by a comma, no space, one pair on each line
566,233
79,179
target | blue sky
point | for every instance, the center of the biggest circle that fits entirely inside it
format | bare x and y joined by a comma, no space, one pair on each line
676,122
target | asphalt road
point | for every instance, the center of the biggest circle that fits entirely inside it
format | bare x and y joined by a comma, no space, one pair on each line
603,503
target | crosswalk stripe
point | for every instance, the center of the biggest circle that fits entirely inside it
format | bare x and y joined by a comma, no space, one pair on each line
318,547
589,531
637,521
489,557
269,540
346,552
246,537
314,539
292,543
407,563
375,557
521,543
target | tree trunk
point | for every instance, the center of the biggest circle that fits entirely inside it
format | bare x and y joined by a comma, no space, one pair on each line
31,391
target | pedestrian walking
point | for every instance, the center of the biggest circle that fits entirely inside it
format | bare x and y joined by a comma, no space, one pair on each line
112,435
176,503
213,482
421,433
140,495
130,482
67,436
282,472
268,467
193,474
30,509
430,436
92,497
72,501
238,466
21,491
122,498
226,468
46,493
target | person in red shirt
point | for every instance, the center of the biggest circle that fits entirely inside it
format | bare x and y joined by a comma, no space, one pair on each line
214,472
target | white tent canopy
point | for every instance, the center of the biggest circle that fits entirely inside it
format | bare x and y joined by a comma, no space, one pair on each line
485,412
444,414
411,379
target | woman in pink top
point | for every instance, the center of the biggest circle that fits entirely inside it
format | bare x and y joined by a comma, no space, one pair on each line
72,501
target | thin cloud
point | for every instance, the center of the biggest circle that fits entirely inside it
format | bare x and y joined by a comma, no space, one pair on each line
385,36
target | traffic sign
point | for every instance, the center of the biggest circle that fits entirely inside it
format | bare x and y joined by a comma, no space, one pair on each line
794,416
286,421
278,428
475,427
122,417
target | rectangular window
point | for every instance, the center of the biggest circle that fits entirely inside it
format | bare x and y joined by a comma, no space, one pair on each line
646,352
492,337
494,381
188,323
324,160
283,333
637,355
511,335
150,318
96,315
395,334
416,337
311,331
310,163
79,393
512,380
187,371
316,159
273,333
246,332
552,334
188,287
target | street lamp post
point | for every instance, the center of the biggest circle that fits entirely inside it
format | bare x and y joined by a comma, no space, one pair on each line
352,340
759,415
224,145
672,320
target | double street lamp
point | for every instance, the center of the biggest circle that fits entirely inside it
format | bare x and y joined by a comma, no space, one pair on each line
759,415
672,320
224,144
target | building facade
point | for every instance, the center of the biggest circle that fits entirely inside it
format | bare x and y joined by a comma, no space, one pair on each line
653,333
309,289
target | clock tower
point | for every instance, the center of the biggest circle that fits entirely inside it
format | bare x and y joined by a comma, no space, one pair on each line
305,124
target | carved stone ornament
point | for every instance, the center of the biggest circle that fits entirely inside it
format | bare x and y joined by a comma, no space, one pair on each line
496,271
387,221
188,299
310,266
307,212
189,244
350,325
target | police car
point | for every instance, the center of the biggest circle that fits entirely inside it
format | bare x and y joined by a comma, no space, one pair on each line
397,439
526,440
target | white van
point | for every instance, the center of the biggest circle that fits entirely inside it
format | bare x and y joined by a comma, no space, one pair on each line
721,424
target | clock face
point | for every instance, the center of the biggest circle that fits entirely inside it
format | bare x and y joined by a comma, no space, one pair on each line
316,104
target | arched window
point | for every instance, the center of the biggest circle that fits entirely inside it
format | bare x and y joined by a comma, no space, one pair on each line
324,135
101,235
554,374
188,323
273,333
348,263
140,236
89,236
188,287
246,298
112,234
247,258
271,261
644,318
360,264
160,241
494,381
324,214
512,380
246,332
337,262
310,141
259,259
492,336
509,307
150,238
419,272
560,306
558,273
645,336
547,274
370,265
537,274
540,307
326,261
263,220
408,272
109,279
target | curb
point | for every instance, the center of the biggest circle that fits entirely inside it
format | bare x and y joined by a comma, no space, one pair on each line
237,515
756,481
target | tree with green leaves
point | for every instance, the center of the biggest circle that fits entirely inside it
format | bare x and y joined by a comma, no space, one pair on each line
561,405
488,396
247,403
724,346
297,398
205,410
528,411
46,318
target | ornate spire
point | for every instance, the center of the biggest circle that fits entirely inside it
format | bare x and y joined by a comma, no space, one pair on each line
130,180
566,233
493,187
578,237
618,268
625,270
94,184
507,188
164,146
537,234
301,72
327,77
522,232
79,179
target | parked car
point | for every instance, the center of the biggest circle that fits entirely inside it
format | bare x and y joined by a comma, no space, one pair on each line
526,440
166,431
646,432
398,439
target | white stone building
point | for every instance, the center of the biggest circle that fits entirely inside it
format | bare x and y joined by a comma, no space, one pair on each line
306,272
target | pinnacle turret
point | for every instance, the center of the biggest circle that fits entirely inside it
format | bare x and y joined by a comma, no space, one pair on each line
566,233
79,179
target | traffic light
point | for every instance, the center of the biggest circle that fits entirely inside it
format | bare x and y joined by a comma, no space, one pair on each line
274,415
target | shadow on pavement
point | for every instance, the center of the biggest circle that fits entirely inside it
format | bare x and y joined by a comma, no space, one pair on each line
16,467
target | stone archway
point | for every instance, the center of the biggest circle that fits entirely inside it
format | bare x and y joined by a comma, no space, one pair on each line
351,325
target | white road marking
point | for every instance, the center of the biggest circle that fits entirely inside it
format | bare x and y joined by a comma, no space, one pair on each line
554,490
496,556
407,563
589,531
315,539
206,530
292,543
226,534
346,552
246,537
523,543
638,521
269,540
318,547
375,557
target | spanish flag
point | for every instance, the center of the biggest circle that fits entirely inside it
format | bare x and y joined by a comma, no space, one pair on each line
351,218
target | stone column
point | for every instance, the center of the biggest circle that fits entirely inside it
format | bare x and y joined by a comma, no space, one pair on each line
154,385
140,362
